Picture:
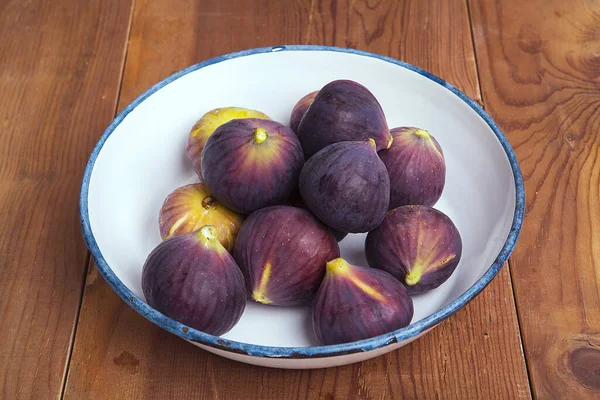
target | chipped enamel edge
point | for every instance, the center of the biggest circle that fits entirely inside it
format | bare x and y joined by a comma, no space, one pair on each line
366,345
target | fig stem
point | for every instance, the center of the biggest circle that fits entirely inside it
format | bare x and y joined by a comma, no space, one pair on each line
340,267
412,278
208,232
337,266
209,237
208,202
260,135
261,298
422,133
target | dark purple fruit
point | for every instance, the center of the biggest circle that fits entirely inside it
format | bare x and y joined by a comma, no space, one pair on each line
252,163
205,127
355,303
419,245
194,280
347,186
282,252
415,163
343,110
300,108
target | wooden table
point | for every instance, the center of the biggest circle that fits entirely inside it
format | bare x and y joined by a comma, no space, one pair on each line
66,68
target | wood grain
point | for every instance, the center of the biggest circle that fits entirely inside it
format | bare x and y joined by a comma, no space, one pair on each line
540,71
60,67
475,354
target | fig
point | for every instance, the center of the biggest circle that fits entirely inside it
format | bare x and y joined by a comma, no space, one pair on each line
416,166
355,303
282,252
252,163
205,127
418,245
347,186
343,110
300,108
190,207
194,280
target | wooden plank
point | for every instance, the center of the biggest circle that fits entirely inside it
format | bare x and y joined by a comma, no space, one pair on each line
540,73
476,353
60,68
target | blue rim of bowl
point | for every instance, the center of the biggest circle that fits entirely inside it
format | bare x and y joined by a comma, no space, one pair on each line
216,342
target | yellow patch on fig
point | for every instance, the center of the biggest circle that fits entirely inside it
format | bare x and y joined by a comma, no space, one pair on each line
340,267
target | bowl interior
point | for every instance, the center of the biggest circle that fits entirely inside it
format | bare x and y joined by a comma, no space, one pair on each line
143,160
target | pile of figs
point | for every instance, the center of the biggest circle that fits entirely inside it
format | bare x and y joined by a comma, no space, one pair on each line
272,202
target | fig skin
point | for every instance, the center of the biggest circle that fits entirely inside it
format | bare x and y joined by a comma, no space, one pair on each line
282,252
418,245
194,280
343,110
355,303
252,163
416,166
205,127
190,207
347,186
300,108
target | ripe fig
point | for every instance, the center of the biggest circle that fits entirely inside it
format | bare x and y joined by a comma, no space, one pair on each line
416,166
206,126
252,163
190,207
347,186
343,110
355,303
300,108
418,245
194,280
282,252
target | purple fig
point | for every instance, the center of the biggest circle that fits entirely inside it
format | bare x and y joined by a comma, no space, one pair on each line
252,163
343,110
300,108
418,245
190,207
194,280
347,186
416,166
355,303
205,127
282,252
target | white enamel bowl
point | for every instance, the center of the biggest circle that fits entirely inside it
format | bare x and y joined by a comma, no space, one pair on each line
140,159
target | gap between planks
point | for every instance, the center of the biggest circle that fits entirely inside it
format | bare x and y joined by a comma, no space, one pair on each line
509,262
88,259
